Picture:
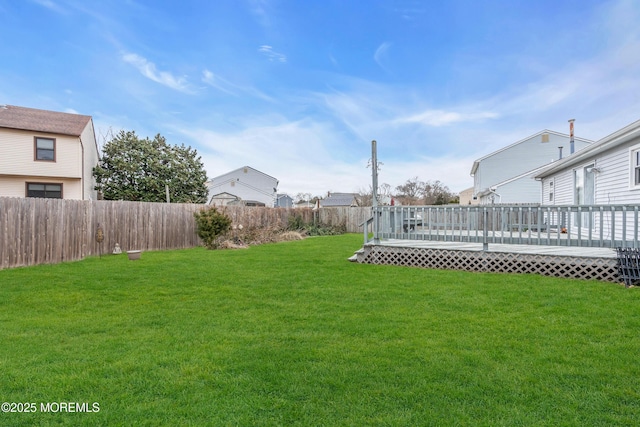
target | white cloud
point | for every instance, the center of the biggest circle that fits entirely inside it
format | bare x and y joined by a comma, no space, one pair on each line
148,69
381,54
300,154
51,5
438,118
272,55
230,88
218,82
259,9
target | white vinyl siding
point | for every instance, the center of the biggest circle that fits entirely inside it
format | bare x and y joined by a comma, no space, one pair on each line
91,157
612,182
17,155
19,164
15,186
247,184
522,190
563,190
612,186
517,159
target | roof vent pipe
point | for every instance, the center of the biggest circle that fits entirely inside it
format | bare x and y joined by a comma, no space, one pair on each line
560,153
571,143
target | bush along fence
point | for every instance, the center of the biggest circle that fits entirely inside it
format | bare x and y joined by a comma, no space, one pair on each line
45,231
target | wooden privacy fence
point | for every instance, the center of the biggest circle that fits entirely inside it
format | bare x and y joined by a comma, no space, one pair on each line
44,231
351,217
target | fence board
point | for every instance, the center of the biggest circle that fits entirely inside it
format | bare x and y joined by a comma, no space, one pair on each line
38,231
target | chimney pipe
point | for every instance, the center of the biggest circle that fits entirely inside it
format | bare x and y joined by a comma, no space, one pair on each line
571,143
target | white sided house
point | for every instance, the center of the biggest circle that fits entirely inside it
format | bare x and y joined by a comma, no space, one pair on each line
506,175
606,173
46,154
244,186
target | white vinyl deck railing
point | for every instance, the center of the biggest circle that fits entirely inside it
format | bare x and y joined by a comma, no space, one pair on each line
585,225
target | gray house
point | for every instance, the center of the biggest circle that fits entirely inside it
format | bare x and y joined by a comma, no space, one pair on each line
243,186
339,199
606,172
506,175
284,201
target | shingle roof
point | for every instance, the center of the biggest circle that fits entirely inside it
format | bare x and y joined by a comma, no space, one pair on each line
42,120
341,199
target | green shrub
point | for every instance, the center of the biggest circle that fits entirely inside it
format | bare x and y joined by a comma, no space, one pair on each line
296,223
324,229
211,226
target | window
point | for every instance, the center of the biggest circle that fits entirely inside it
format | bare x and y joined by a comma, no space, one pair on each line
635,168
551,191
49,191
45,149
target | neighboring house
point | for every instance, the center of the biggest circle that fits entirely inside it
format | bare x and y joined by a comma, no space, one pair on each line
466,197
284,201
244,186
606,172
505,176
304,204
46,154
339,199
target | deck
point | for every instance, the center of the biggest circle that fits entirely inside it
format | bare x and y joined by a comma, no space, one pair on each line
589,263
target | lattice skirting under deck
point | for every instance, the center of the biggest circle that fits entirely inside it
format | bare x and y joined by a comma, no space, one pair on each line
548,265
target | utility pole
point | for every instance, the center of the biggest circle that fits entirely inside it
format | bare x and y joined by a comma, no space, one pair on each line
374,177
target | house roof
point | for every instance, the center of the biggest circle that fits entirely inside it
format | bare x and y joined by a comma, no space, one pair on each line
339,199
476,163
608,142
31,119
241,169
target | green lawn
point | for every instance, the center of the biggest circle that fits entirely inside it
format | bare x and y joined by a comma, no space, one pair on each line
293,334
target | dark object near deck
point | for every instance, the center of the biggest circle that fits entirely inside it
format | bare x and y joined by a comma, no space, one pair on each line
411,224
629,265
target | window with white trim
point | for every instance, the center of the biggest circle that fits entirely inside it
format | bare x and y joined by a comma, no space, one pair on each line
635,168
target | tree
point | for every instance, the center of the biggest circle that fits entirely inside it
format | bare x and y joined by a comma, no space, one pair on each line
365,196
411,191
138,169
414,191
436,193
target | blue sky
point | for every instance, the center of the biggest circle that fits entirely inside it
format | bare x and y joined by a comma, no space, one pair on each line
299,88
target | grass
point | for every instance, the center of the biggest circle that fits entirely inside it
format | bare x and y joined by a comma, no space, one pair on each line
292,334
